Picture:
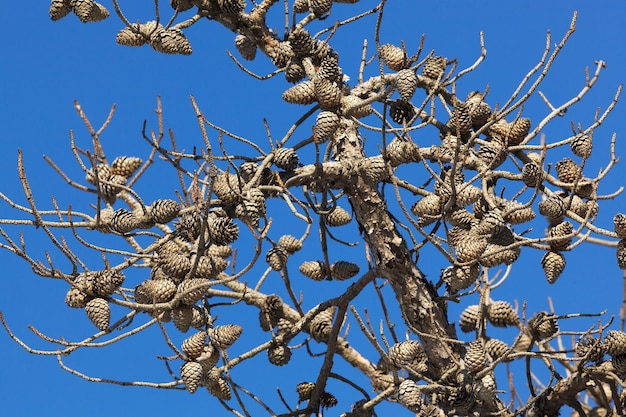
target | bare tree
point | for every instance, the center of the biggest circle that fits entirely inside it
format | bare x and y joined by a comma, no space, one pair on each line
198,266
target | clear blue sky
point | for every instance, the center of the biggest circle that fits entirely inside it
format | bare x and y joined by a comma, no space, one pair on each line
47,65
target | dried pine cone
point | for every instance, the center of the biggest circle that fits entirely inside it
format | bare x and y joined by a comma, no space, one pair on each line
342,270
532,174
279,354
276,258
394,57
458,278
478,109
222,337
326,124
590,348
328,93
567,170
615,342
289,243
542,326
322,324
410,396
217,386
75,298
497,349
222,230
619,225
460,122
404,353
314,270
304,390
302,93
621,254
434,67
59,9
561,233
401,151
475,356
164,211
107,282
353,106
191,372
286,158
89,10
227,188
553,264
406,83
469,318
170,41
401,111
231,6
518,131
99,312
181,5
125,166
430,205
470,248
553,208
245,46
192,290
338,217
582,145
502,314
182,317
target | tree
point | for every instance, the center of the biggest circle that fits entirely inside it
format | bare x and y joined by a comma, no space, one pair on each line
398,215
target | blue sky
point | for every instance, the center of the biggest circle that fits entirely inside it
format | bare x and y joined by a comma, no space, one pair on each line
49,64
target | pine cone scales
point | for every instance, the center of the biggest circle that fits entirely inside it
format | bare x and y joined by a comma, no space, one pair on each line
314,270
502,314
217,386
338,217
89,11
394,57
406,83
615,342
469,318
99,312
404,353
59,9
302,93
322,324
164,211
245,46
553,264
279,354
542,326
192,290
191,373
582,146
342,270
193,346
410,396
75,298
434,67
326,124
475,356
222,337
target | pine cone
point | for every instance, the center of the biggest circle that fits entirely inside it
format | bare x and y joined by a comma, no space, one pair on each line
286,158
619,225
210,266
590,348
276,258
192,290
404,353
401,151
328,93
553,264
59,9
394,57
434,67
410,396
222,337
478,109
561,233
469,318
615,342
470,248
342,270
532,174
621,254
304,390
279,354
107,282
501,314
289,243
337,217
217,385
322,324
245,46
125,166
314,270
430,205
222,230
459,278
89,11
497,349
542,326
553,208
460,122
99,312
475,356
164,211
353,106
182,316
582,145
326,124
401,111
302,93
191,372
75,298
406,82
567,170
